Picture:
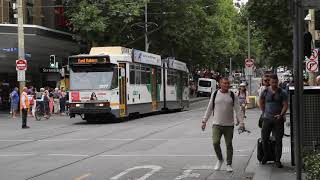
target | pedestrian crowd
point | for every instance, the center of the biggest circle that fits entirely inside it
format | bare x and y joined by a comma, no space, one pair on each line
51,101
227,109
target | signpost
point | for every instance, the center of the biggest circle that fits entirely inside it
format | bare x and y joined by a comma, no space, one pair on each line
21,65
312,64
249,65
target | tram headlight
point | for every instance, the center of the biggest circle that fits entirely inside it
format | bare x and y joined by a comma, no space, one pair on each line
78,105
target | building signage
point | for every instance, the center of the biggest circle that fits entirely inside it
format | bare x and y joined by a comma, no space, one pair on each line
178,65
146,58
50,70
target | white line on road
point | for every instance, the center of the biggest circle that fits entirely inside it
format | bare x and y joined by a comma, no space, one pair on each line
162,155
112,139
146,176
54,140
16,140
15,155
70,155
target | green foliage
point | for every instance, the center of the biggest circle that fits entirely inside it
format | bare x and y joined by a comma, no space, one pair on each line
312,166
199,32
272,19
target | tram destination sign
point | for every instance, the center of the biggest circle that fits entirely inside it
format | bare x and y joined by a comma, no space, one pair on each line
311,3
88,60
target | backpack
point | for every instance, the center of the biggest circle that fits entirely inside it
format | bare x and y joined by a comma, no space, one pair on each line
215,95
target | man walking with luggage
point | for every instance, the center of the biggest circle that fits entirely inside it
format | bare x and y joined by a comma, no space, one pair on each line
24,106
223,103
274,105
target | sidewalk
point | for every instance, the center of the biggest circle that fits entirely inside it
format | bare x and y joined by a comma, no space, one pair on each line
269,171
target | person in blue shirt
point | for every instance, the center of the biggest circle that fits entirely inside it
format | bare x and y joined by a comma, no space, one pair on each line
14,99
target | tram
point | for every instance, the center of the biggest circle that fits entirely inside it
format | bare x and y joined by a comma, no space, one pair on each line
119,82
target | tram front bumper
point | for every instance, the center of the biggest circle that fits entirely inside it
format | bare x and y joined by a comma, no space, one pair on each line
97,110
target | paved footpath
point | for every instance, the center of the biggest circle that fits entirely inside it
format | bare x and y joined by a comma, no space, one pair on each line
160,147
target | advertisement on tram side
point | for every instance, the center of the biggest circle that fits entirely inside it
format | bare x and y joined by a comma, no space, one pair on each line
84,96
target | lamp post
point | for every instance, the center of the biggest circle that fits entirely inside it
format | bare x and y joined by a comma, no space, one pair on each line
21,52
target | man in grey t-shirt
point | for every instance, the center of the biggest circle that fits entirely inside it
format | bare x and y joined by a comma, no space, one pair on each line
274,104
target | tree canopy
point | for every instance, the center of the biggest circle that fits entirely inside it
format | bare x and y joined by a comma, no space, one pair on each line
199,32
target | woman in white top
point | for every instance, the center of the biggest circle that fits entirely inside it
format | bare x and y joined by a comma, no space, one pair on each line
243,96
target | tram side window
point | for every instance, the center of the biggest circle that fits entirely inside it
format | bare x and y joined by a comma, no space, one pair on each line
171,77
143,74
132,74
148,75
138,73
159,78
185,79
115,77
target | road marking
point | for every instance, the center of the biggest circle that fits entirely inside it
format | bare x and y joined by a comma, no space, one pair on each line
54,140
153,167
15,140
82,177
162,155
203,167
111,139
15,155
70,155
188,174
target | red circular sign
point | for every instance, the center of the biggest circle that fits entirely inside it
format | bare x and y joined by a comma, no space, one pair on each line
312,66
249,63
21,65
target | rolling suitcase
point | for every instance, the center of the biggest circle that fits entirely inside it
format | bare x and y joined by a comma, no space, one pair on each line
271,150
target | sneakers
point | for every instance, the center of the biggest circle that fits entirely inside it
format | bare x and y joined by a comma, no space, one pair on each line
217,167
229,168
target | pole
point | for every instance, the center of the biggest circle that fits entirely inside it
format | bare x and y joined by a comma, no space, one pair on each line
21,52
312,75
249,53
2,13
146,27
230,74
298,85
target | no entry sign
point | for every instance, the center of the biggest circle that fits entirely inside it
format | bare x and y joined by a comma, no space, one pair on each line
21,65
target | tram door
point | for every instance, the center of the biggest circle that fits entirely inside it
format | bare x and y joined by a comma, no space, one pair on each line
122,90
154,88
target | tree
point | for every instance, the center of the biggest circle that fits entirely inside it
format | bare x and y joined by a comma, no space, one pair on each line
272,19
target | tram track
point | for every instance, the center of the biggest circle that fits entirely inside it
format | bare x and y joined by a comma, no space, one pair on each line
110,149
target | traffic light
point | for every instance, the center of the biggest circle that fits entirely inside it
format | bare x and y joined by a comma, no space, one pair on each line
52,61
307,44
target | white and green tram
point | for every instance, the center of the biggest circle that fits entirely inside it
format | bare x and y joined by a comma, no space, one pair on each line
119,82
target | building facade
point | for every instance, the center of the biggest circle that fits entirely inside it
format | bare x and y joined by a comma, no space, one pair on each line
46,33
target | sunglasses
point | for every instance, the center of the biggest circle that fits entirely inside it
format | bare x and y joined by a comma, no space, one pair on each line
266,80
